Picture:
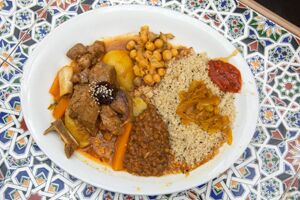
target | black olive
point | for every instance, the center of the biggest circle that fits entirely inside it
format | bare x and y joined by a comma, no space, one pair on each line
103,92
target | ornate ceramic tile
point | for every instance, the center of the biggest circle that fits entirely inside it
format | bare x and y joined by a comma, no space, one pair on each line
266,170
16,19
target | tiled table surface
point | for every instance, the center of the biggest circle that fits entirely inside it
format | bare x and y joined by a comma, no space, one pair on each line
266,170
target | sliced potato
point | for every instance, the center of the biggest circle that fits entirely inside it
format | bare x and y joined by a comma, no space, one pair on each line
139,105
65,83
123,66
81,136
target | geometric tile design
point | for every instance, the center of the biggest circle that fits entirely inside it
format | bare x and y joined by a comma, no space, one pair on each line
269,167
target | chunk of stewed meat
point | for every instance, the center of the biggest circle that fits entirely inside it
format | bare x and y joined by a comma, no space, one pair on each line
121,105
102,72
75,78
104,149
110,121
81,77
83,108
85,61
77,51
148,150
97,49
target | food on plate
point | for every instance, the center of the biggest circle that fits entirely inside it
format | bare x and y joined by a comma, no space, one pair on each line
64,78
226,76
70,142
190,143
122,63
150,52
80,135
200,106
148,150
140,104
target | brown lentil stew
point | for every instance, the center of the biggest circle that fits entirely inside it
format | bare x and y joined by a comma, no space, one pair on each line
148,151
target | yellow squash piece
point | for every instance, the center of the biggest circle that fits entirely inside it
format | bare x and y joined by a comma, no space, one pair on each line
139,105
123,65
81,136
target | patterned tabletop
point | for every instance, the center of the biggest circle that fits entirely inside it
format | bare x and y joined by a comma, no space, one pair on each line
268,169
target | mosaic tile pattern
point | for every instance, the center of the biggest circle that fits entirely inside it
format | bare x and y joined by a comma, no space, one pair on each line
268,169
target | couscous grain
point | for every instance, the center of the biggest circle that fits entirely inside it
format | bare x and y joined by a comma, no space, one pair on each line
189,144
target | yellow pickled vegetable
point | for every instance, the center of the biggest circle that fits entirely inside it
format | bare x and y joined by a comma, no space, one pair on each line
200,106
81,136
123,65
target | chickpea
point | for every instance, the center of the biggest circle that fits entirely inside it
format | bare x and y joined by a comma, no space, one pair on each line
130,45
152,71
144,37
136,70
139,41
147,54
145,28
148,79
167,55
143,71
155,63
139,55
161,71
150,46
133,54
157,55
169,46
156,78
136,38
158,43
143,63
174,52
159,50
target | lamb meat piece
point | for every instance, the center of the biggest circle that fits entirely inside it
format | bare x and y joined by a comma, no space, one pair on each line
117,44
103,148
70,142
75,78
83,108
85,61
77,51
103,72
68,150
97,49
121,105
59,127
82,77
110,121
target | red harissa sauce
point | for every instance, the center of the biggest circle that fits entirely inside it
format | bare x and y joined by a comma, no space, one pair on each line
226,76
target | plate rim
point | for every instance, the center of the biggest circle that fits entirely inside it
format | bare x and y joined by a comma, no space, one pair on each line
160,10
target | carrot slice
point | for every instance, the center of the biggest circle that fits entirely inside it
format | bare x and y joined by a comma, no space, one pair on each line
120,147
54,89
60,108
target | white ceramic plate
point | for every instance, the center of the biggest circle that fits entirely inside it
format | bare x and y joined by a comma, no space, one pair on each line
49,56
